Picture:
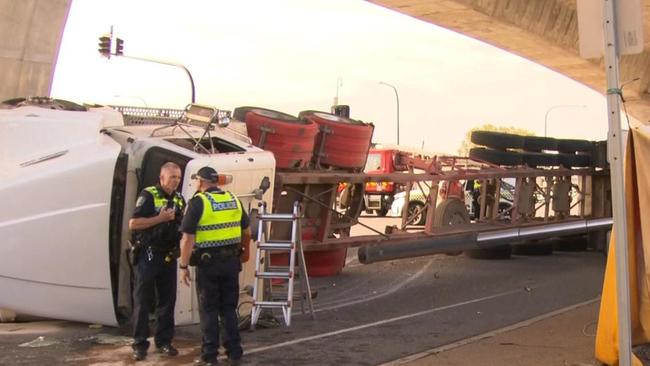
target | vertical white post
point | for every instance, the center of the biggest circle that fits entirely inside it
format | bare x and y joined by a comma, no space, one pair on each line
616,153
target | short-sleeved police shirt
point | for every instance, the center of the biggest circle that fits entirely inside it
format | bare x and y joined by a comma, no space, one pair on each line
195,211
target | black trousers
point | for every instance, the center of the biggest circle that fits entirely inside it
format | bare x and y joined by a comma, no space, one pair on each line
217,286
156,280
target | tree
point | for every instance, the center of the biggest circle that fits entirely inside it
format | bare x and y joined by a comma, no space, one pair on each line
467,144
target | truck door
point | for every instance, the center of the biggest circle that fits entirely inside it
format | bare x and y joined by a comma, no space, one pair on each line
54,254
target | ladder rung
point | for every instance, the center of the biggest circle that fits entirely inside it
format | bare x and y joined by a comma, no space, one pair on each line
285,275
276,217
277,268
272,304
276,245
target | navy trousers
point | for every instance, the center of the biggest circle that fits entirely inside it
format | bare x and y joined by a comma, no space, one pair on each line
155,285
218,292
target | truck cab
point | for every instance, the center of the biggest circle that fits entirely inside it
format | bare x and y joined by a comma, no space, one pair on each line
71,177
379,196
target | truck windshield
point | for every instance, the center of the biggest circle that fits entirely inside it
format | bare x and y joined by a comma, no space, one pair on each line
373,163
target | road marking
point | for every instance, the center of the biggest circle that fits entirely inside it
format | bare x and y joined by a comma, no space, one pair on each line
381,322
390,291
462,342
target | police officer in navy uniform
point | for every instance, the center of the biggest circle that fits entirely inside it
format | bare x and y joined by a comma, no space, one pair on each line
155,226
214,228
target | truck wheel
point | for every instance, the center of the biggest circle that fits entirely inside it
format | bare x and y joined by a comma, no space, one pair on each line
497,140
539,143
574,160
535,159
451,212
571,146
382,212
498,157
240,113
420,217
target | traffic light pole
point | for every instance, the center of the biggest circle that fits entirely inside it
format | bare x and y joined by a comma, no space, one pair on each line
189,75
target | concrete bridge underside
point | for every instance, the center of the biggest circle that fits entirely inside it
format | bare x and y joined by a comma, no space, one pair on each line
544,31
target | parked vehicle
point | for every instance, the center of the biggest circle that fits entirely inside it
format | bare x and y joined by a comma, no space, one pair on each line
380,195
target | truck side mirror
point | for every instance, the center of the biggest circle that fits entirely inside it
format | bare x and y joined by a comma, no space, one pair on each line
264,186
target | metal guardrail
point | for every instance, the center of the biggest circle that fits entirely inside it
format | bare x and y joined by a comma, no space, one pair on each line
134,116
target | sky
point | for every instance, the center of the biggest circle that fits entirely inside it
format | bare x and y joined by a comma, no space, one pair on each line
294,55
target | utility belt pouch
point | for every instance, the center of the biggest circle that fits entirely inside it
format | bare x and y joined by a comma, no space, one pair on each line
134,251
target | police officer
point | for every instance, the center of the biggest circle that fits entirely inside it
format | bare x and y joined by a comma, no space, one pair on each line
215,226
155,225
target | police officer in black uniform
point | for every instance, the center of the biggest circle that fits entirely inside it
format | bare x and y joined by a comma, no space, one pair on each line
214,228
155,226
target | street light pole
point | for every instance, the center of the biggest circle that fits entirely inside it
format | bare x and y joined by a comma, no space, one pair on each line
397,99
556,107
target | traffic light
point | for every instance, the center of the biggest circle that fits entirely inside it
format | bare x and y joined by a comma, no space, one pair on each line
119,47
105,46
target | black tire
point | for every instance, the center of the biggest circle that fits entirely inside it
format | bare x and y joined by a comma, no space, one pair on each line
574,160
533,247
498,157
539,143
534,159
240,114
573,243
412,207
497,140
382,212
572,146
451,212
599,154
498,252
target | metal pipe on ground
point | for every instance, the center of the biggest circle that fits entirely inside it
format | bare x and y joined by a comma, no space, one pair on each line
458,242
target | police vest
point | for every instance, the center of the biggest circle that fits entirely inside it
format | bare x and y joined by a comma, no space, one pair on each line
164,234
220,223
159,201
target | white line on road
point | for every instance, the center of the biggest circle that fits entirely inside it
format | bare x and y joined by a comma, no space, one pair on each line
393,289
462,342
381,322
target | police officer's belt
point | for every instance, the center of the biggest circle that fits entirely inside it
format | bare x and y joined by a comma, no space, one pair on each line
208,254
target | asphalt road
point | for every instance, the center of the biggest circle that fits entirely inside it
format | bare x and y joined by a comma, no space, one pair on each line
368,315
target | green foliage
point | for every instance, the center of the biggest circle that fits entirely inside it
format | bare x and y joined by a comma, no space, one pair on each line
467,144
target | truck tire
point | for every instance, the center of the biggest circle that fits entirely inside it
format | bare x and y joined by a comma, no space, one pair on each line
572,146
345,141
382,212
240,113
497,140
535,159
289,139
539,143
574,160
498,157
451,212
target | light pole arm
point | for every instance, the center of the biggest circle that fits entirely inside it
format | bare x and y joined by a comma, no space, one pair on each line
189,75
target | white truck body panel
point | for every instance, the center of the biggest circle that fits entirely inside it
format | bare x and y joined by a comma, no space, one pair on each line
54,255
57,176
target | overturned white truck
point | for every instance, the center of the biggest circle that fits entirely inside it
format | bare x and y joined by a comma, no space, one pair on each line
69,177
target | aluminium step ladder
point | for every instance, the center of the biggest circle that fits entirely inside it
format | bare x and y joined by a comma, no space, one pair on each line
267,274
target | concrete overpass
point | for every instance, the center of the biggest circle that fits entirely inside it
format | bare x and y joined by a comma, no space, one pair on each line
543,31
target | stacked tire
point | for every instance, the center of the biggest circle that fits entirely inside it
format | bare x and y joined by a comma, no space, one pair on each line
345,142
290,139
534,151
